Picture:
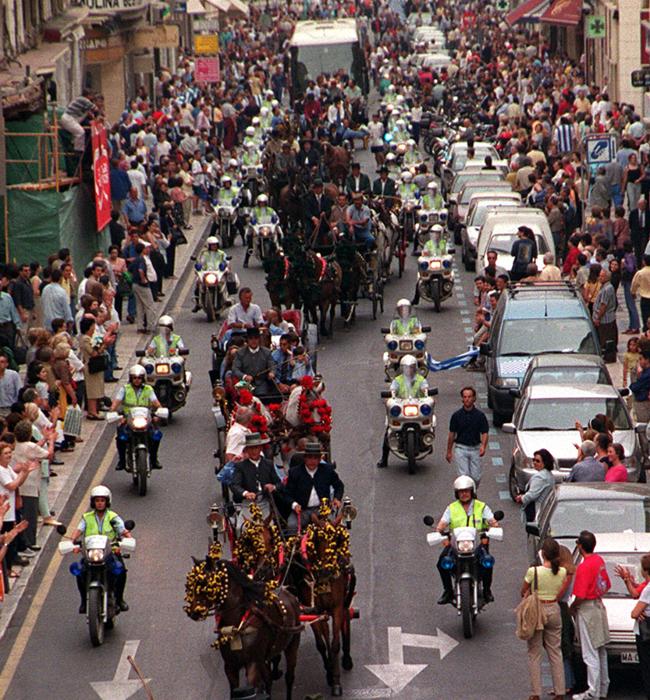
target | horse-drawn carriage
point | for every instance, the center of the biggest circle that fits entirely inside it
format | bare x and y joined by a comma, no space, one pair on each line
274,586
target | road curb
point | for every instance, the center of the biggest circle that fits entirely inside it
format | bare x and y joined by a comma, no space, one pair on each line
78,481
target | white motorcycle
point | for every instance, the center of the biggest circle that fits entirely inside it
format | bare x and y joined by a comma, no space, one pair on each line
264,240
435,277
410,427
168,377
101,562
253,181
215,288
225,220
428,218
399,345
467,554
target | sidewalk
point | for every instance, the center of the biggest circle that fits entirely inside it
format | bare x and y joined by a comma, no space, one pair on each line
98,436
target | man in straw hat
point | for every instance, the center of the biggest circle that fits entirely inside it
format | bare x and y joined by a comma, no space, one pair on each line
254,479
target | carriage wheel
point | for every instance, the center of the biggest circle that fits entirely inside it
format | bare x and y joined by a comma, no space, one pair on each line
374,306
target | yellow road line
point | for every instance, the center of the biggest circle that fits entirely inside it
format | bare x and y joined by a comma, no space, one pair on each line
184,291
29,623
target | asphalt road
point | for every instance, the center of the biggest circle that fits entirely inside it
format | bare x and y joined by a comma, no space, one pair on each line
397,581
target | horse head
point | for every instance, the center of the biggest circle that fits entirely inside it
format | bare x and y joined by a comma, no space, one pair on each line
257,549
206,585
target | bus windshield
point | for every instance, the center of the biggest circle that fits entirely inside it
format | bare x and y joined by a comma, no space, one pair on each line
310,61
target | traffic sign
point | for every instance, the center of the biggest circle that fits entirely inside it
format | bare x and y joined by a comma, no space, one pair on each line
601,149
641,78
503,5
596,28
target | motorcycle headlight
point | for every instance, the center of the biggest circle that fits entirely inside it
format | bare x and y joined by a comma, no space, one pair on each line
392,345
419,344
139,423
411,410
177,367
395,411
210,279
446,264
426,409
424,265
162,368
265,231
465,546
149,369
435,265
95,555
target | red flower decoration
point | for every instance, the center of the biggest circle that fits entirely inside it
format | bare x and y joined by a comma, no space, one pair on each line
245,397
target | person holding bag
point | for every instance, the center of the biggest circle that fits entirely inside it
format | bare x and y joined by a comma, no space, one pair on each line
548,582
641,615
94,366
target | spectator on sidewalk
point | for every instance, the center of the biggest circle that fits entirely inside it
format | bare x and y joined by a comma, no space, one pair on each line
10,386
145,312
55,302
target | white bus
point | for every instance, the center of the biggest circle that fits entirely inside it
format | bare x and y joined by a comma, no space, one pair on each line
327,46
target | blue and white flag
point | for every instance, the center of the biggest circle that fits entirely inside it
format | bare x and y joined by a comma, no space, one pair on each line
452,362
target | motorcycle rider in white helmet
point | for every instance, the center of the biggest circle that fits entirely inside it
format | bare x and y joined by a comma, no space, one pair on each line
408,384
211,258
262,214
167,342
101,520
466,511
405,323
135,394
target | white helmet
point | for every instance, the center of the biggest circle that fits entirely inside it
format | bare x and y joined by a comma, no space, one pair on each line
403,302
274,104
264,111
406,176
101,492
269,93
256,121
400,99
211,240
390,157
464,482
250,131
436,229
408,363
400,123
232,163
403,307
226,180
411,143
391,89
166,321
262,200
137,371
433,186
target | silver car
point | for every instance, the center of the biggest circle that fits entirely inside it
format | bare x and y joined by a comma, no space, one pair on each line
545,417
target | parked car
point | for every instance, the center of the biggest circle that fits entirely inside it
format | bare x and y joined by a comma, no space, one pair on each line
499,232
469,190
472,174
532,320
600,507
480,204
546,417
564,368
624,549
458,157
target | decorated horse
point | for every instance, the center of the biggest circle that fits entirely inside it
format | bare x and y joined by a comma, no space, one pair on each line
337,161
255,622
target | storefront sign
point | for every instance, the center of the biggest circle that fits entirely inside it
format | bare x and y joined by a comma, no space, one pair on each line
206,70
101,172
102,7
206,43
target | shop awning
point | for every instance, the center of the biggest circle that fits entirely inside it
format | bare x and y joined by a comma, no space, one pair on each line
565,13
528,11
237,7
221,5
194,7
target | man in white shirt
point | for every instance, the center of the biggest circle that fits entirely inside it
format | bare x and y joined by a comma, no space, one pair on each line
245,314
138,179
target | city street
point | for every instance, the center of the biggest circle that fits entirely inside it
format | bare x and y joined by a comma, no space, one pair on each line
397,581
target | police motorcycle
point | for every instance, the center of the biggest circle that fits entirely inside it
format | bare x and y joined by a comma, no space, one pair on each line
264,231
165,368
215,281
467,555
100,572
252,173
410,417
432,212
405,336
435,281
409,196
226,212
136,430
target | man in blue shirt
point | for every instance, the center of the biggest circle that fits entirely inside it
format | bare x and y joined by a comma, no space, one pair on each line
135,210
641,390
283,358
120,185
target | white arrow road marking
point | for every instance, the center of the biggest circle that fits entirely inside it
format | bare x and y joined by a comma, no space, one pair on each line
443,642
396,674
121,688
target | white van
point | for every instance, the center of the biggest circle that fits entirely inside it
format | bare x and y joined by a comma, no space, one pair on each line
499,232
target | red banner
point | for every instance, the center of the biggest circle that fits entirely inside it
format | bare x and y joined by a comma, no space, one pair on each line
101,169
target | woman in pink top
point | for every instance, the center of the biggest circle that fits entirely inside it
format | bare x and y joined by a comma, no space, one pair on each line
617,470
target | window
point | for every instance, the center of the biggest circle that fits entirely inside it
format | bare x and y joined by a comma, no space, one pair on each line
562,414
532,336
569,518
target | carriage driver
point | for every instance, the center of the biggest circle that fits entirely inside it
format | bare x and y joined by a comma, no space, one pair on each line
405,323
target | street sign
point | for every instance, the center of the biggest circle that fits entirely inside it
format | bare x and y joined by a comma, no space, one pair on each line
503,5
396,674
121,688
601,149
641,78
596,28
206,70
206,43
